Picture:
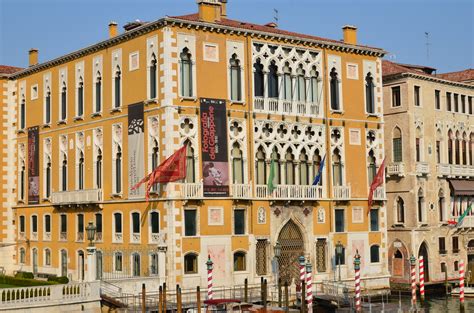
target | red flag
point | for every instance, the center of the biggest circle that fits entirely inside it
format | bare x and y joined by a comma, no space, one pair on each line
378,180
170,170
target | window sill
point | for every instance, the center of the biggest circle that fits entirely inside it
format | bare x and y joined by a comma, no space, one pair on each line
443,252
46,125
187,99
336,112
191,237
151,101
20,131
46,200
373,115
78,118
192,275
115,110
62,122
116,195
456,250
115,241
96,114
21,201
232,102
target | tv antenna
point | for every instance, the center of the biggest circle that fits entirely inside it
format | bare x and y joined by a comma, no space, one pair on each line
275,16
427,37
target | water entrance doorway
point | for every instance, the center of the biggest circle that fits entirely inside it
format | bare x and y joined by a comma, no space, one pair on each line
292,247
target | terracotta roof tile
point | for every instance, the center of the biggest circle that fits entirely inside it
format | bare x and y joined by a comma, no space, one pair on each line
5,69
262,28
459,76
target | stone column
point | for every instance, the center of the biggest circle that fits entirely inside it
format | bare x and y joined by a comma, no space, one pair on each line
91,264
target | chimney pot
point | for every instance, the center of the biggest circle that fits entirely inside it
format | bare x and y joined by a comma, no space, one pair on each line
350,34
113,29
33,56
211,11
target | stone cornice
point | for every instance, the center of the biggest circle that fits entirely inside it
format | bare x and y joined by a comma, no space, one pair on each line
393,77
149,27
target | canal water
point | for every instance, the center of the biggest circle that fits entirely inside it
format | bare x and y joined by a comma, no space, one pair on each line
397,305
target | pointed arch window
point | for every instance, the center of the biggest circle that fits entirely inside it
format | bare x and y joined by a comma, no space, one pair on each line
456,148
314,86
290,167
155,159
275,156
316,166
369,93
418,145
48,177
81,171
273,80
63,102
334,86
337,168
186,73
80,97
400,211
118,170
235,79
23,113
464,149
441,205
260,166
258,79
190,165
372,167
450,147
304,168
301,84
237,164
98,92
420,206
153,77
287,86
47,116
64,173
117,87
98,168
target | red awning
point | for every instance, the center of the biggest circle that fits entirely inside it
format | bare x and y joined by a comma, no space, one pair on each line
462,187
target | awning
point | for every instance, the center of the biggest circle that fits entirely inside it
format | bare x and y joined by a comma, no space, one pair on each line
462,187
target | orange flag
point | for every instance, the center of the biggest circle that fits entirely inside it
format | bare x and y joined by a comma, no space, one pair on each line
378,180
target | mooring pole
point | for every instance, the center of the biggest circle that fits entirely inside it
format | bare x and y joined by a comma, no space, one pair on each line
246,290
413,281
287,300
446,282
357,282
279,292
164,297
461,285
143,298
178,299
265,290
160,300
198,299
422,279
303,292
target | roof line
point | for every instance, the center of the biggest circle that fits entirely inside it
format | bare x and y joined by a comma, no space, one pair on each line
425,77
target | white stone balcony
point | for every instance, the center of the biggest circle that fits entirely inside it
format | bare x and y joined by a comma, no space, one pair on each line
379,193
422,168
443,170
136,238
191,190
76,197
462,170
396,169
468,221
290,192
282,106
158,238
241,191
47,236
34,236
341,192
118,237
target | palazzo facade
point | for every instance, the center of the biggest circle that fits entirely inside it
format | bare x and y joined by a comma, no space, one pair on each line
93,122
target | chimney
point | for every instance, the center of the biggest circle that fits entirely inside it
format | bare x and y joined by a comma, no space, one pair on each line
113,30
350,34
209,10
224,8
33,56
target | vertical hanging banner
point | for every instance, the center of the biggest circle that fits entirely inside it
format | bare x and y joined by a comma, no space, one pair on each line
33,165
215,166
136,157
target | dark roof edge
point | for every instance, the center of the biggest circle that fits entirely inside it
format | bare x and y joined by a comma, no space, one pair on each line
387,78
164,21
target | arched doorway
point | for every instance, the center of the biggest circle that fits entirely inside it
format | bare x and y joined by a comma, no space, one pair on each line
424,252
292,247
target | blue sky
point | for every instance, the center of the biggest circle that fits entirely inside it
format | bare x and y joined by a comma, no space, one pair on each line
57,27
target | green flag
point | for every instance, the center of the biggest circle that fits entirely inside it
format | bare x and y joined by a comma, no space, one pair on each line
461,218
271,185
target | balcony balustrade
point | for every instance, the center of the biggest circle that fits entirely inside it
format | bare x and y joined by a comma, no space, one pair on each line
422,168
34,236
47,236
241,191
158,238
275,105
136,237
118,237
341,192
467,222
379,193
443,170
290,192
457,170
396,169
76,197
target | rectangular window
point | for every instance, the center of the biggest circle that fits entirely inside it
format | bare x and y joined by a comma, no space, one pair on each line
438,151
339,220
463,104
118,223
98,225
136,223
190,228
396,97
374,220
456,102
22,224
442,245
443,267
118,262
448,102
455,244
80,223
47,223
417,96
261,255
437,100
239,222
63,223
34,224
397,149
469,103
418,150
321,255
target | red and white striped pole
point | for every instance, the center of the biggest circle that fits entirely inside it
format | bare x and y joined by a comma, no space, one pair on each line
422,279
413,280
358,306
309,286
461,284
209,264
301,259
